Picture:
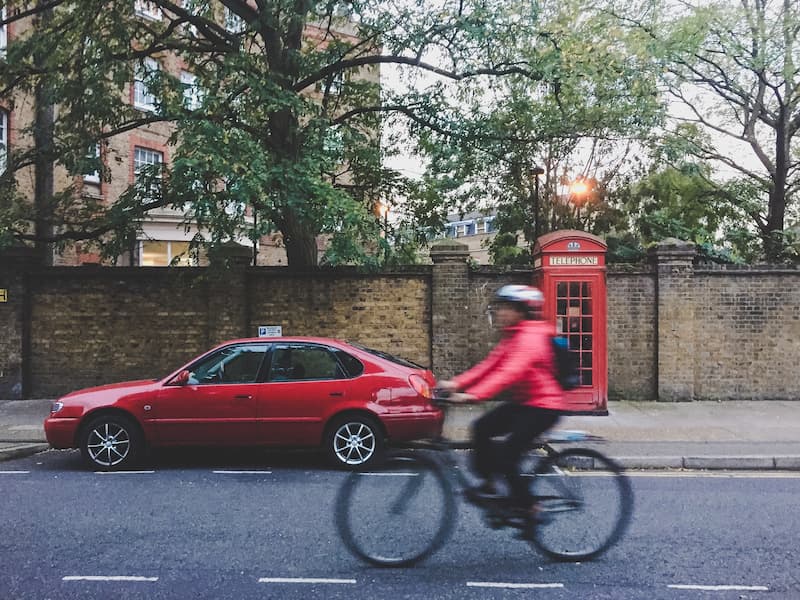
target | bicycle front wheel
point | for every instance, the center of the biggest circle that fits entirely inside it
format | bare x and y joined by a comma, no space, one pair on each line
397,515
585,503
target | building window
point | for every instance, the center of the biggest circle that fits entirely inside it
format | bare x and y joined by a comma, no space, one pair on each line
233,22
144,97
3,140
144,159
485,225
192,95
147,9
163,253
3,32
93,155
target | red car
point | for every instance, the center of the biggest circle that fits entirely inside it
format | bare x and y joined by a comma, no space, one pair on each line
345,398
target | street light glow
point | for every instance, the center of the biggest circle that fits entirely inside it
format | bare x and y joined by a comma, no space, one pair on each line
579,187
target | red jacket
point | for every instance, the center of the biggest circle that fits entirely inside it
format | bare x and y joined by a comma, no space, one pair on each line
522,362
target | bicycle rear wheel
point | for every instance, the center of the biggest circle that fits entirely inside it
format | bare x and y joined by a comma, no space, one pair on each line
585,503
397,515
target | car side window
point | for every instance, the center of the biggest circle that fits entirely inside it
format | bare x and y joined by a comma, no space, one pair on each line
352,366
304,362
232,364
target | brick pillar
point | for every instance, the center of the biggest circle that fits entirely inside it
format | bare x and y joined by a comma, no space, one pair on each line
449,308
15,322
675,320
228,305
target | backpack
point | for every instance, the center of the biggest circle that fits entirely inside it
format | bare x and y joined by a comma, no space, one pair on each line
566,362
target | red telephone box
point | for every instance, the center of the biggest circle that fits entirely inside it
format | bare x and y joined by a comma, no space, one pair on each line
570,269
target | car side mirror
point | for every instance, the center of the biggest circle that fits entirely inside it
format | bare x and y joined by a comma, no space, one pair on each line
182,378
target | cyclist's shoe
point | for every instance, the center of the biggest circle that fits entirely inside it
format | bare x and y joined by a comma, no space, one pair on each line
480,494
530,516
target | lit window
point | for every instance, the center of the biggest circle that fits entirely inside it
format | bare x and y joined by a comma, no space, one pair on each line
93,155
3,32
192,95
3,140
145,8
144,158
233,22
160,253
143,96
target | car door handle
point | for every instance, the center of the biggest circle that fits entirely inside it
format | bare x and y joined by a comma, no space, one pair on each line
243,397
337,393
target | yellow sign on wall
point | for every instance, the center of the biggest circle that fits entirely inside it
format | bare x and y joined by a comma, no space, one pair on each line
3,295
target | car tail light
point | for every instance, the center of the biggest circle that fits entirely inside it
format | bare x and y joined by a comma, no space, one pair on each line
421,386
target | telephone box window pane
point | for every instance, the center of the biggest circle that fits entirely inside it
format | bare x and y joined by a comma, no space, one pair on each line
574,342
586,360
586,308
586,325
561,325
586,377
574,289
586,292
561,289
561,307
587,342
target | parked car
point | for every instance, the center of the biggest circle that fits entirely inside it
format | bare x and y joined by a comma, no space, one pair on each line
290,391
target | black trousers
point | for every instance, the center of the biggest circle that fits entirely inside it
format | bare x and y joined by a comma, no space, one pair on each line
520,424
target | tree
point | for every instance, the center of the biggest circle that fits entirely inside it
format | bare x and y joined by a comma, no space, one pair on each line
597,95
734,68
285,125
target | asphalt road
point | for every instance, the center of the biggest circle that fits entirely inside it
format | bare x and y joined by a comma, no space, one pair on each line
244,525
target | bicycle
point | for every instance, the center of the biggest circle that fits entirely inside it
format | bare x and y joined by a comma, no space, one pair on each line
404,511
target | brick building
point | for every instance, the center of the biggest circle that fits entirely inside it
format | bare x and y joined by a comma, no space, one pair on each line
165,234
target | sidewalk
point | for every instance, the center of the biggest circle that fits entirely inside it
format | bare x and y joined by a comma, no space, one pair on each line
639,435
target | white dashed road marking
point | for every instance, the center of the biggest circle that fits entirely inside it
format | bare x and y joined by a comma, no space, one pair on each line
124,472
242,472
108,578
514,586
721,588
303,580
14,472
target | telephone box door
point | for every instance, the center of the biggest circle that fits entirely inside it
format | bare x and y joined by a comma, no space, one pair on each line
570,271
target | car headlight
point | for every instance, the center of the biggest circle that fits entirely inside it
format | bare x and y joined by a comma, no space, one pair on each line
56,406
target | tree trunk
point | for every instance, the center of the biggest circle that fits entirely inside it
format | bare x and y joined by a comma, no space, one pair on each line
776,214
44,119
299,240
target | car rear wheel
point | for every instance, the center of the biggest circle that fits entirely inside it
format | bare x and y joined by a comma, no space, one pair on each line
110,442
354,442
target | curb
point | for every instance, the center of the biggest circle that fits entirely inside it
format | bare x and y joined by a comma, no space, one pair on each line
711,463
21,451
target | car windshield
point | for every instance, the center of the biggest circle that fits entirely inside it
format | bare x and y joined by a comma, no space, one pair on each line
386,356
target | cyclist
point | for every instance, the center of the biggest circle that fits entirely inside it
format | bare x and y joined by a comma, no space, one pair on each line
522,363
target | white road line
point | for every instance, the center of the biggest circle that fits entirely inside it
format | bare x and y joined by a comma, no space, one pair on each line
108,578
124,472
398,474
242,472
14,472
521,586
721,588
303,580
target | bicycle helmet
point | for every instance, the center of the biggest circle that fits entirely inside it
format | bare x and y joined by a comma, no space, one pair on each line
529,297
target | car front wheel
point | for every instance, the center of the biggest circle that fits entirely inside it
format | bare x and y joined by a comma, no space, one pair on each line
110,442
355,442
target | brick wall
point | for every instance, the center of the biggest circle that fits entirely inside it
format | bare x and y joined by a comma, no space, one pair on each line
675,331
748,334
